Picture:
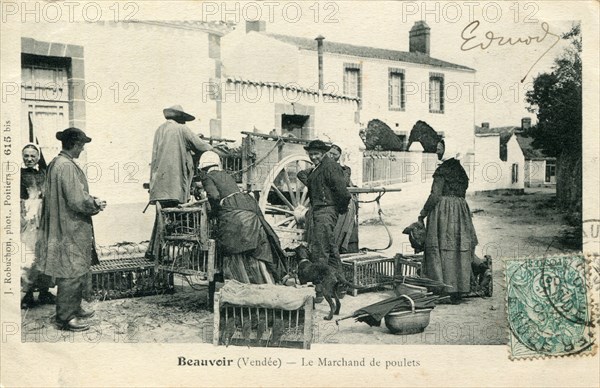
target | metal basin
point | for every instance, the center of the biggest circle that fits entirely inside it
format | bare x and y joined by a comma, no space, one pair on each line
408,322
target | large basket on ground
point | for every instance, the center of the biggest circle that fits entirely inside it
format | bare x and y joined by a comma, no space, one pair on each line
129,277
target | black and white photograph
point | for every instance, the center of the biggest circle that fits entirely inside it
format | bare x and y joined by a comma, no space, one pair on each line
319,193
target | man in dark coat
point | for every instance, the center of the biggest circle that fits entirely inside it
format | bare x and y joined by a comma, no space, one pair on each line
329,197
172,167
65,244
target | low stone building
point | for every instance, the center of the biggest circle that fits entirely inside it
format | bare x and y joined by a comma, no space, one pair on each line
499,162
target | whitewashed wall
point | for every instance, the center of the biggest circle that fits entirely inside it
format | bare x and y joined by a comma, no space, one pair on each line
488,172
249,108
535,173
137,61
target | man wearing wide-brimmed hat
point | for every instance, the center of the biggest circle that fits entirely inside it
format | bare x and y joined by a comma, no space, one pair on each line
172,166
65,246
329,197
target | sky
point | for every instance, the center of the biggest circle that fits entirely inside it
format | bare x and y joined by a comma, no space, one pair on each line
499,94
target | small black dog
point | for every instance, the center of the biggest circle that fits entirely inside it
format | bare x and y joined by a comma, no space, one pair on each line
323,277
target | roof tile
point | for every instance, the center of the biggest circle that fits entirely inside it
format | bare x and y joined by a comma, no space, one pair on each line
366,51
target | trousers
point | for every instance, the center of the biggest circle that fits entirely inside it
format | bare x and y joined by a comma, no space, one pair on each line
323,244
69,297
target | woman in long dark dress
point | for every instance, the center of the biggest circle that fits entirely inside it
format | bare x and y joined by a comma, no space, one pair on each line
250,248
33,176
451,238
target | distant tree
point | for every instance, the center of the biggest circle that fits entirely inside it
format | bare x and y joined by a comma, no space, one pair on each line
556,99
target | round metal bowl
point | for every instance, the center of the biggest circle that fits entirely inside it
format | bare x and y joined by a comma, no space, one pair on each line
408,322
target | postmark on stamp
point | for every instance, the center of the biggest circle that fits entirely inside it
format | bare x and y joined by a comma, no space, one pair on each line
549,307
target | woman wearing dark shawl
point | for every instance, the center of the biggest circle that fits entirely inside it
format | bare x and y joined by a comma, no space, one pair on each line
451,238
250,248
33,176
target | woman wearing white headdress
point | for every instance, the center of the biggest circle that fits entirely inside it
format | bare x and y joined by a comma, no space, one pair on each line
33,176
450,237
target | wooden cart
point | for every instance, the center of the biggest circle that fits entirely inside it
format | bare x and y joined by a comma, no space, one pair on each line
266,166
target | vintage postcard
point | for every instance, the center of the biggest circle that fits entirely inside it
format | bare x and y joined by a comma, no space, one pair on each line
300,193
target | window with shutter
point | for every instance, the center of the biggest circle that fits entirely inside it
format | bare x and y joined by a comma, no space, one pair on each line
396,96
515,173
436,93
352,80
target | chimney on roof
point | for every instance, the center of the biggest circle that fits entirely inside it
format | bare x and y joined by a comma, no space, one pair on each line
419,40
485,125
525,123
319,40
256,25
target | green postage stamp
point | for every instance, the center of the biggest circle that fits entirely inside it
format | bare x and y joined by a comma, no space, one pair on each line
549,307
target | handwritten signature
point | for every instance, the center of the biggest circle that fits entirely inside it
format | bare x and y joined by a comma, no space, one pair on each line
469,33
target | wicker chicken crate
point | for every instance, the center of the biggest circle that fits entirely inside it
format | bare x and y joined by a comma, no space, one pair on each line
368,270
129,277
262,327
189,223
187,257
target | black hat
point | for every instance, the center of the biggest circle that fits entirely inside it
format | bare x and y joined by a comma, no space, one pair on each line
73,133
176,112
317,145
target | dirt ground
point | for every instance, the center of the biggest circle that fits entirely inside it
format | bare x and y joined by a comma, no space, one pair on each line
508,226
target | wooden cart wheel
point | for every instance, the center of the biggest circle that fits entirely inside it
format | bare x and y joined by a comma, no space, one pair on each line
283,198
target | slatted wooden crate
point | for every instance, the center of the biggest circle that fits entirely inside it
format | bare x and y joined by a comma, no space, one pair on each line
129,277
189,223
262,327
368,271
409,265
189,258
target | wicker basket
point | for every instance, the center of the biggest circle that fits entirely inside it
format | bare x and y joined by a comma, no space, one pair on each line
262,327
129,277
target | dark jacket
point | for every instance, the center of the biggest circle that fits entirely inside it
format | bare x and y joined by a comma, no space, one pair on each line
326,185
172,167
65,245
240,219
218,185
